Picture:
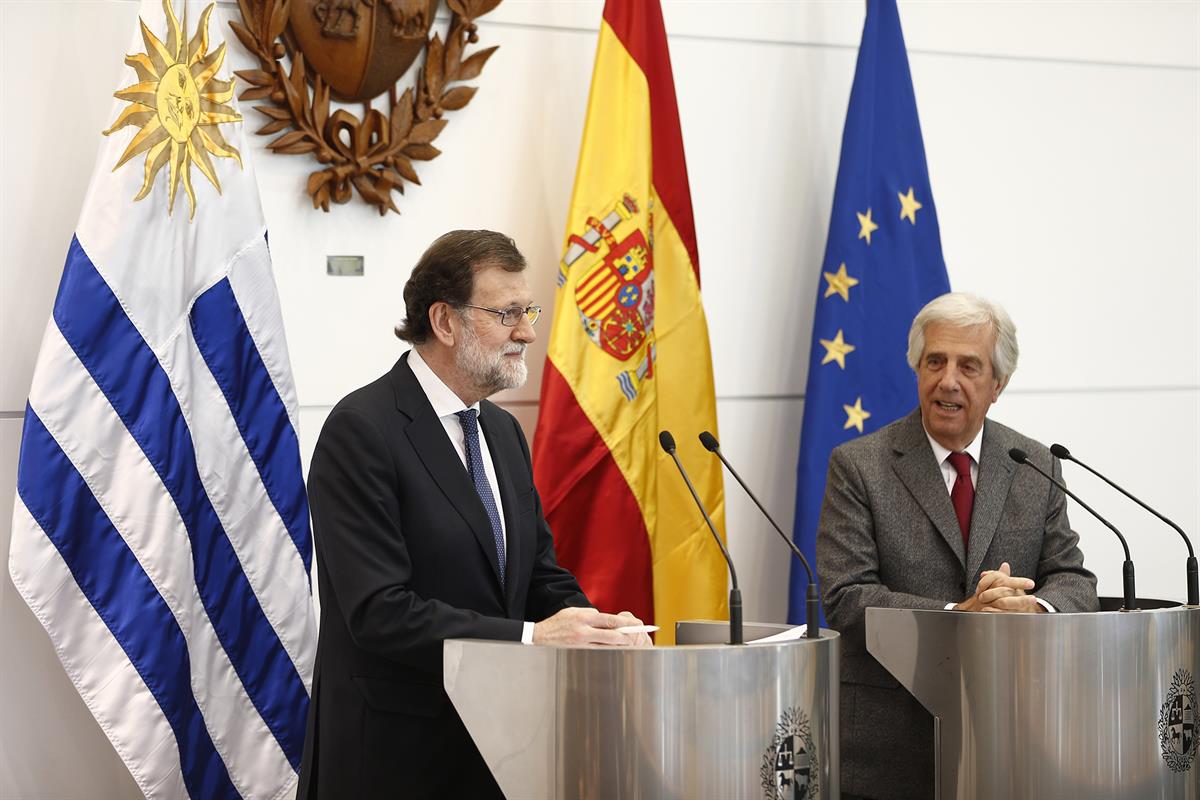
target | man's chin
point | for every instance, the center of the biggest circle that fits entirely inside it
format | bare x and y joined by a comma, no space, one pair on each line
941,428
510,378
516,374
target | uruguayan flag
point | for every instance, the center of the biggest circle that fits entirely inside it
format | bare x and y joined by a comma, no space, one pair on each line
161,528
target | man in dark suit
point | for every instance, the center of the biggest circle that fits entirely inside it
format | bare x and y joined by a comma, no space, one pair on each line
428,527
930,512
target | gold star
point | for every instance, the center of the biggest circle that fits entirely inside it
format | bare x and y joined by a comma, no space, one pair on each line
855,415
908,206
867,226
840,283
836,350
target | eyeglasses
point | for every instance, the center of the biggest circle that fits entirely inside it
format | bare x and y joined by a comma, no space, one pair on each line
511,317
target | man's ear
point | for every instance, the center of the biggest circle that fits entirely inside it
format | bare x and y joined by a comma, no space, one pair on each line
443,321
1000,388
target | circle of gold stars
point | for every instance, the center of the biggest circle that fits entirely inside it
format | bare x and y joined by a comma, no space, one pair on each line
866,226
841,282
855,415
836,349
909,206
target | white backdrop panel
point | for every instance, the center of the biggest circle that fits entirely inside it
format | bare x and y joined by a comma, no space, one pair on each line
1145,440
1047,29
763,156
1070,193
53,111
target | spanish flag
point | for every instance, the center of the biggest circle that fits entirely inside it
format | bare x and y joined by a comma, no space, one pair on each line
628,352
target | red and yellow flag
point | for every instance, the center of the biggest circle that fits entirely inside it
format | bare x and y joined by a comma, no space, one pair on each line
628,353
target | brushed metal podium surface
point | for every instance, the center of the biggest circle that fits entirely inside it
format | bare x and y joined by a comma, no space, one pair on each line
694,721
1051,705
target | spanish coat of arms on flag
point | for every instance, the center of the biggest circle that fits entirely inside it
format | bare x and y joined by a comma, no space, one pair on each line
628,353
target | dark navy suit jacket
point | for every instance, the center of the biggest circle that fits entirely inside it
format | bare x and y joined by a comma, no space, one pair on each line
405,560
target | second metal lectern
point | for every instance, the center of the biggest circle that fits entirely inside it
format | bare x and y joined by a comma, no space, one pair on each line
1052,705
693,721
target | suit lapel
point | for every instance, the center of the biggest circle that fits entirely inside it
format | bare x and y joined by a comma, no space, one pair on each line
429,440
991,491
914,464
497,446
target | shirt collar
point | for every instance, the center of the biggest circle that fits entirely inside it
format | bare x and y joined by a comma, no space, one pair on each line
941,453
443,399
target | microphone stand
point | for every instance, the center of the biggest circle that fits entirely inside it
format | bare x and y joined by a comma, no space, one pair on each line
1130,603
1193,579
812,600
667,441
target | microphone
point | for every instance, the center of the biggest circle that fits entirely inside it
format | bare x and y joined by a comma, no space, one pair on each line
812,602
735,594
1130,604
1193,582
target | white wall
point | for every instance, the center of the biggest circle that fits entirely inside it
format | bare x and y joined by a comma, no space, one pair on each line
1062,140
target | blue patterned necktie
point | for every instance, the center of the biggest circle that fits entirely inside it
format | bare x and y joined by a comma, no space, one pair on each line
479,478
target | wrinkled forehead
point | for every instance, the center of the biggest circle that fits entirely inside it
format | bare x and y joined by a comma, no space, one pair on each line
497,287
960,341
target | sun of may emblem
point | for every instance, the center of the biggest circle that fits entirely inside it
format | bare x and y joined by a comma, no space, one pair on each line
177,103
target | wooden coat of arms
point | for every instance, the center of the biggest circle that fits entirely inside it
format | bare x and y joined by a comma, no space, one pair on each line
352,51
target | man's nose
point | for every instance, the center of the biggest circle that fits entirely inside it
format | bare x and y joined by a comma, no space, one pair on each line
950,379
523,331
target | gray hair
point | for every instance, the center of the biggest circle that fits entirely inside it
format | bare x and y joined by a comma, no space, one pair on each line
963,310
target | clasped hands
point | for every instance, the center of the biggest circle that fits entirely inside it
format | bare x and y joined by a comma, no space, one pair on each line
999,590
589,626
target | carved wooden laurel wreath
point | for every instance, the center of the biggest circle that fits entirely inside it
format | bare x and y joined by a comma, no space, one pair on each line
374,154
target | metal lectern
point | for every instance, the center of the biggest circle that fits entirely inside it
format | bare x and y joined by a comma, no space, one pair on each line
698,720
1052,705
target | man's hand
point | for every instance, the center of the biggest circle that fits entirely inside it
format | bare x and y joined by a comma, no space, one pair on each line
584,626
635,639
999,590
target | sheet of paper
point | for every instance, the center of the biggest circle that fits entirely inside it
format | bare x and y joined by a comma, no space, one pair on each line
789,635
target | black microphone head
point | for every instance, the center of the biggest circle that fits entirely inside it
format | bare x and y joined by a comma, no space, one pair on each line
667,441
710,442
1060,452
1018,455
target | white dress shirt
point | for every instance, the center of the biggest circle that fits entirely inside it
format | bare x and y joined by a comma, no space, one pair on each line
446,404
950,475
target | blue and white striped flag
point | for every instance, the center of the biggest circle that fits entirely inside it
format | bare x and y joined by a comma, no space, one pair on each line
161,531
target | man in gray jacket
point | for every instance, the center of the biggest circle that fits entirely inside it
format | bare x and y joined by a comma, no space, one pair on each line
930,512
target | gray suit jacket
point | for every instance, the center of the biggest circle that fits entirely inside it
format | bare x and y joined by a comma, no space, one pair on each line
888,537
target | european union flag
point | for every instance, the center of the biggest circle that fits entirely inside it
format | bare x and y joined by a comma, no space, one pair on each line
883,262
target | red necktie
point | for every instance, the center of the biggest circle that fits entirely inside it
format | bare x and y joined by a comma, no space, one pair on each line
963,493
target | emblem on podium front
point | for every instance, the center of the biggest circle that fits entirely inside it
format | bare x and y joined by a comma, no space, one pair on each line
1177,723
789,767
